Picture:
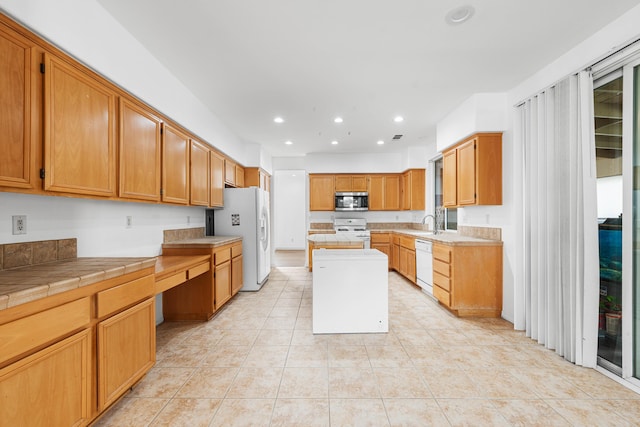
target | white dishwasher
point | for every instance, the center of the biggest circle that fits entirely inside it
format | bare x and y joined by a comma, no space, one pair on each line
424,265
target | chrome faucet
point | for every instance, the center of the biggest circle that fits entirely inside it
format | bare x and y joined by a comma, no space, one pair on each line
435,228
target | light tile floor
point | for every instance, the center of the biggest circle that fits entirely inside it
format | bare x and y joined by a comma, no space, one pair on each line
257,363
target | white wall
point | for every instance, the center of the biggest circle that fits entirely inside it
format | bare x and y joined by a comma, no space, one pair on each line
289,209
84,29
99,225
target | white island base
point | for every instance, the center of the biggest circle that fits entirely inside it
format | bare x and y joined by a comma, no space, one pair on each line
350,291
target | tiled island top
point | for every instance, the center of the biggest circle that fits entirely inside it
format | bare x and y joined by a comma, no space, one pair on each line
32,282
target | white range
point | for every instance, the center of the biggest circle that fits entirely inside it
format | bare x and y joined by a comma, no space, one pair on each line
353,227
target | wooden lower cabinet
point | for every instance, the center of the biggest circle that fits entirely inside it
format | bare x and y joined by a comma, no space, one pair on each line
198,298
236,268
407,258
126,350
52,387
69,358
382,242
395,253
468,279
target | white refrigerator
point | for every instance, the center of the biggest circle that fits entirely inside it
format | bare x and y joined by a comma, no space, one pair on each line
246,214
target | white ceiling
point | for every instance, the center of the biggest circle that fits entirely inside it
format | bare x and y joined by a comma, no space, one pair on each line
364,60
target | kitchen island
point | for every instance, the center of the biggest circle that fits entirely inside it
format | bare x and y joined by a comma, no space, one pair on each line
332,241
350,291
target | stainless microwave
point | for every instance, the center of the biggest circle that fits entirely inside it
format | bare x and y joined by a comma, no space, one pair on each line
352,201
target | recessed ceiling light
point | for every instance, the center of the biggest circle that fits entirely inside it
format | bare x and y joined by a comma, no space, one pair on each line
288,142
381,142
334,142
459,15
338,120
398,119
278,120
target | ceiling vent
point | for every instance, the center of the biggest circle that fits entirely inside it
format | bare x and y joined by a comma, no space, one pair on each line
396,137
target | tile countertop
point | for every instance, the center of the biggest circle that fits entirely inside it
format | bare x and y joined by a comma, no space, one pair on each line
447,238
25,284
205,242
334,239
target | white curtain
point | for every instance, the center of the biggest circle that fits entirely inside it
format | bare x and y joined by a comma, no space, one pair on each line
561,261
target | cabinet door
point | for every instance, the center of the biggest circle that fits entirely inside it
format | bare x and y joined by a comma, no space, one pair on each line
359,183
16,163
411,265
467,173
79,131
139,152
376,193
395,257
199,178
392,192
239,176
450,179
126,350
223,283
343,183
322,193
217,179
175,166
229,172
51,387
236,274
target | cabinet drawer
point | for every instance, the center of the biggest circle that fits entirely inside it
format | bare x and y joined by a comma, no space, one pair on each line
170,282
380,238
441,295
236,251
442,281
198,270
23,335
442,253
222,256
442,268
119,297
408,242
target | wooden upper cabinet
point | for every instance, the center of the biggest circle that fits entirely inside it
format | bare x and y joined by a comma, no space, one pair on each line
478,171
239,176
413,189
256,177
351,182
199,179
467,173
450,179
79,131
384,192
140,149
321,192
216,171
175,165
17,168
392,193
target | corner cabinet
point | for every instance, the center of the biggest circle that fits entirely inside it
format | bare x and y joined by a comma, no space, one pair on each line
321,192
79,131
467,279
472,171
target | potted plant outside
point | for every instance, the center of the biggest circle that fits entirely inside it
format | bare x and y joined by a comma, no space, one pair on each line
613,314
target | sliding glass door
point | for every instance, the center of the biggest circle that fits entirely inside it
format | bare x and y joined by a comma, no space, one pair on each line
617,128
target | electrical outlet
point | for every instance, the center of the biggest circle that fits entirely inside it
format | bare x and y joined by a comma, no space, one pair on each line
188,219
19,224
129,221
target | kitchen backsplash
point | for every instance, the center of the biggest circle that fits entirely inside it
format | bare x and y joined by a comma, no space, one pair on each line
182,234
489,233
13,255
